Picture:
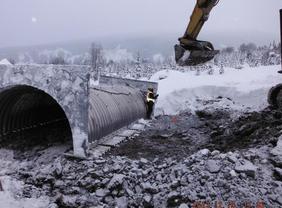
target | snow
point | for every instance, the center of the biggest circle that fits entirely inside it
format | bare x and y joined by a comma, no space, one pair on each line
8,201
5,62
247,88
12,197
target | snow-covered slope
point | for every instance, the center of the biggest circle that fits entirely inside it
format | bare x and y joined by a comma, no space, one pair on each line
247,87
5,62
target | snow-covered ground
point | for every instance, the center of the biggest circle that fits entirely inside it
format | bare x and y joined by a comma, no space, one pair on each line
247,88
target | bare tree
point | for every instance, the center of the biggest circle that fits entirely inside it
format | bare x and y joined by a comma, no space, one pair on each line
1,187
57,60
228,50
96,60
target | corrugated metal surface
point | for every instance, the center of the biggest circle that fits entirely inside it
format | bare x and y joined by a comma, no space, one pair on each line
24,107
111,108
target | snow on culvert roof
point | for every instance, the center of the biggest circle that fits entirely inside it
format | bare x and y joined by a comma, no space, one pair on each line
5,62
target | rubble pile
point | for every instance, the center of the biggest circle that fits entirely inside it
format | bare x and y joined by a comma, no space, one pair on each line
178,160
247,176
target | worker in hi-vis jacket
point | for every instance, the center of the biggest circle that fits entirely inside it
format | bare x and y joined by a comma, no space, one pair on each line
150,101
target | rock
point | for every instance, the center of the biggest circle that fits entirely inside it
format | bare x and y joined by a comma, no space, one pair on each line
122,202
213,166
138,189
59,184
66,201
222,155
279,199
116,167
204,152
144,161
246,167
215,152
232,158
58,168
183,206
52,205
108,199
100,161
149,188
233,173
116,180
101,192
175,184
159,177
278,173
264,161
277,153
147,198
263,191
276,198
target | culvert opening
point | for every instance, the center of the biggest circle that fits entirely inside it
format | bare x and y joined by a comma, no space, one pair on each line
30,117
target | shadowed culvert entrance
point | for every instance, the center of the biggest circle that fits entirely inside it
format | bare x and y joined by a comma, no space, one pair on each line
30,117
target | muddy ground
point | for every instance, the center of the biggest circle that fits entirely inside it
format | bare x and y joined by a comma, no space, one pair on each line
181,135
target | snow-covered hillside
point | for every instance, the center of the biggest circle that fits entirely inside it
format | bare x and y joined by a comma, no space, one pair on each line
247,87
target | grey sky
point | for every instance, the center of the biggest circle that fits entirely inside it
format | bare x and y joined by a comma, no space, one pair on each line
29,22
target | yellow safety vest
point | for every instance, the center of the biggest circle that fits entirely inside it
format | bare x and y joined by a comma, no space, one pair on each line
148,97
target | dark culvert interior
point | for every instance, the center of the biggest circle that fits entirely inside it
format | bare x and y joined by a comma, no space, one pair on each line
29,118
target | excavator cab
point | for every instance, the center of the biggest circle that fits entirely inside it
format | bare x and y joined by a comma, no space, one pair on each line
190,51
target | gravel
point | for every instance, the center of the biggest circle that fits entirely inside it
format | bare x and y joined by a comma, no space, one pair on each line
163,173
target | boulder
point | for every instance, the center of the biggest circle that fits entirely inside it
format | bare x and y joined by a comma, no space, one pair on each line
246,167
213,166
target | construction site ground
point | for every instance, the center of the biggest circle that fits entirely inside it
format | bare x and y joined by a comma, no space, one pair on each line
212,154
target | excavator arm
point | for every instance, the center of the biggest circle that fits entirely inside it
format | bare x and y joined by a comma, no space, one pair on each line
191,51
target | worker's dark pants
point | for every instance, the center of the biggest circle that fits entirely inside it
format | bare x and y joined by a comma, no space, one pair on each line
150,106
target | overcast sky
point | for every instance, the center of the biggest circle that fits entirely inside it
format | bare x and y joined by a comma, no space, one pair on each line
30,22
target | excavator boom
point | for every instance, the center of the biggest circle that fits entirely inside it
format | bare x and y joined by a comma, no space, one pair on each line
191,51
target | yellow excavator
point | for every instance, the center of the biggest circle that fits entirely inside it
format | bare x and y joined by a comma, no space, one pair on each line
191,51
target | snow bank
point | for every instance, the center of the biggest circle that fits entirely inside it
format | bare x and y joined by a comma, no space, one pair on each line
247,88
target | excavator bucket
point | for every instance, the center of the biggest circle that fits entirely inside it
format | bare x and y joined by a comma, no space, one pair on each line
184,57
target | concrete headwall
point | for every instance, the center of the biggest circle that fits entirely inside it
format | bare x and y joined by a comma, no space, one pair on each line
91,112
